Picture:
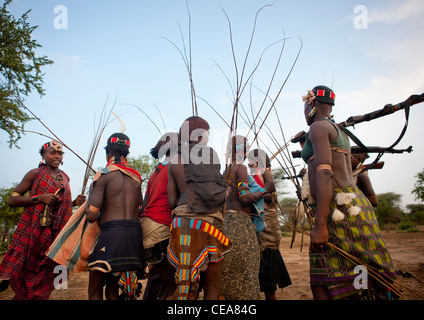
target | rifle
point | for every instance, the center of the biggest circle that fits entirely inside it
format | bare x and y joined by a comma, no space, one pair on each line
387,109
369,166
365,167
358,149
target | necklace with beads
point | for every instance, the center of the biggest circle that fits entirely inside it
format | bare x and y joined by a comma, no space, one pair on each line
57,177
328,118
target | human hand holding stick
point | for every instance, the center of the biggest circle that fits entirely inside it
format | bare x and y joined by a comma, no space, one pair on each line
45,220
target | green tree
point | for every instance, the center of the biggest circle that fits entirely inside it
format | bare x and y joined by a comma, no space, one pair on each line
20,70
280,181
145,165
288,205
419,186
9,216
388,210
416,213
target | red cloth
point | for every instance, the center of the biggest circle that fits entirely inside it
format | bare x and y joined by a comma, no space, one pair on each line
25,264
157,207
122,165
258,178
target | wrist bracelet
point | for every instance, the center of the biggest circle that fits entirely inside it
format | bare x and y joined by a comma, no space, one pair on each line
242,193
35,199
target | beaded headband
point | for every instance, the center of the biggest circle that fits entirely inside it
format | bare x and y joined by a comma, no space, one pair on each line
116,140
321,93
54,144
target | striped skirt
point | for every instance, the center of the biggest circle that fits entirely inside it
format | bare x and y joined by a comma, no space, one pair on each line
193,245
357,233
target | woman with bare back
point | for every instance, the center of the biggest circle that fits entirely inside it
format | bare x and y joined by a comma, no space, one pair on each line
343,215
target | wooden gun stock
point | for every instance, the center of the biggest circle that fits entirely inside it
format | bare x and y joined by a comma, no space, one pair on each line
378,165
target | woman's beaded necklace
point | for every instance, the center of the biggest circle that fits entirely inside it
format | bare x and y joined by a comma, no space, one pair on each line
57,177
328,118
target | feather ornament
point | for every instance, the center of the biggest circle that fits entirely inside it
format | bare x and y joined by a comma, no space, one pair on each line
338,215
343,198
123,128
305,193
354,210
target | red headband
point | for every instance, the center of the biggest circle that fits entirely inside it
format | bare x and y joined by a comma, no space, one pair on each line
54,144
322,93
119,141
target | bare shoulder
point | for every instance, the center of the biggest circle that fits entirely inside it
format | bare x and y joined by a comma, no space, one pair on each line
240,167
319,126
104,180
176,171
114,177
27,181
322,129
30,175
241,172
117,179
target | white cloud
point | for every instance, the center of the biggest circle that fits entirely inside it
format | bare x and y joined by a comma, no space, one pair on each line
66,63
396,51
396,11
398,174
66,69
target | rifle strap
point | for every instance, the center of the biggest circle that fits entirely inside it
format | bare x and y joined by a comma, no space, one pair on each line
405,105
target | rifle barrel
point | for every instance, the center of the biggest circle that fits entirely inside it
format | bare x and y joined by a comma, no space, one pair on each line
356,149
387,109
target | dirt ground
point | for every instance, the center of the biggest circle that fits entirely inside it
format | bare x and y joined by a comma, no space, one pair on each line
407,251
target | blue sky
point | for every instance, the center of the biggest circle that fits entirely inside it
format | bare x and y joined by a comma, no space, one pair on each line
119,50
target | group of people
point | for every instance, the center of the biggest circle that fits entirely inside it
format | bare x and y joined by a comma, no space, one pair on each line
197,228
